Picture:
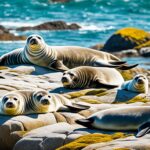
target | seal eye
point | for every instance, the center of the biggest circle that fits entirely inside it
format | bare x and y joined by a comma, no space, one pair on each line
29,38
71,74
49,96
5,99
39,97
39,37
15,99
136,78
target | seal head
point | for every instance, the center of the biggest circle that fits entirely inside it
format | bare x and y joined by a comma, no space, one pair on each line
35,43
42,101
12,104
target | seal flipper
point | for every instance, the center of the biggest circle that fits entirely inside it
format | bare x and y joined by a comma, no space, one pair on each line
117,62
58,65
127,67
143,129
100,63
85,122
77,107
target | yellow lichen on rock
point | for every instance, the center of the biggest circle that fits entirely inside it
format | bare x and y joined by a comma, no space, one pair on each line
138,99
137,35
146,44
86,140
85,92
127,38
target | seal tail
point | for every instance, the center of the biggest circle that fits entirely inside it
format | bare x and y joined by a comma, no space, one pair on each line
85,122
127,67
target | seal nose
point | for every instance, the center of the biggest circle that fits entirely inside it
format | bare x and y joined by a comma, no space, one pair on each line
9,104
33,41
64,79
140,81
45,101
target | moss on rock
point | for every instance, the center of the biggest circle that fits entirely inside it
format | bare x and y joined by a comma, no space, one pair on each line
126,38
138,99
86,140
85,92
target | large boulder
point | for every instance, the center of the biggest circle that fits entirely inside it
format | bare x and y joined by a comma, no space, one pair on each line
126,38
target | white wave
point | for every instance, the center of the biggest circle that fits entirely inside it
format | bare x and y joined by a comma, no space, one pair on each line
20,41
96,28
11,24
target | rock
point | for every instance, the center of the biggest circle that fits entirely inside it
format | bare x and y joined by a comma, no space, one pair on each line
126,38
97,46
13,129
60,1
145,51
55,25
83,141
48,137
128,143
127,53
5,35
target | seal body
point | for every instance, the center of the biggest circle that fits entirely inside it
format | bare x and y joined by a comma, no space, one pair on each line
37,52
92,77
39,101
138,84
125,118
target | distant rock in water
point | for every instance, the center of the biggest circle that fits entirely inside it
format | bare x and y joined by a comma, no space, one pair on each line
5,35
127,38
55,25
60,1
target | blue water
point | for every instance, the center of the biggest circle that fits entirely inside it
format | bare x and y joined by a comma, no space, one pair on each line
98,18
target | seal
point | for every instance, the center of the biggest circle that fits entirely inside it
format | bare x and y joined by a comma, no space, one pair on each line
124,118
138,84
61,58
143,129
52,102
92,77
39,101
16,103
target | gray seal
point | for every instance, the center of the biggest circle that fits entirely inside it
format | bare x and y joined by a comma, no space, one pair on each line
61,58
124,118
92,77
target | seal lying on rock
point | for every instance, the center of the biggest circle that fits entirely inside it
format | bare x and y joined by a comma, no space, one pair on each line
138,84
37,52
92,77
40,101
124,118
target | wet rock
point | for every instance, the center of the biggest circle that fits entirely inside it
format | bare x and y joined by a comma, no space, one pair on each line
55,25
5,35
126,38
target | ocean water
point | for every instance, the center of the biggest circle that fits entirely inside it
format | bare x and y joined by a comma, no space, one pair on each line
98,18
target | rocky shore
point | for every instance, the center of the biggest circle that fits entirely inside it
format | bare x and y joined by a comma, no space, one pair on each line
53,130
5,35
58,130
